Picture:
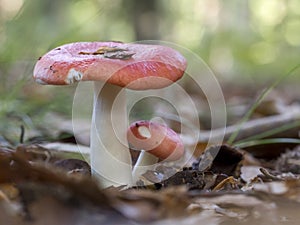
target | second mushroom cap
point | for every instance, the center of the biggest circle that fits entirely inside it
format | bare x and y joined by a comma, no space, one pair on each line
157,139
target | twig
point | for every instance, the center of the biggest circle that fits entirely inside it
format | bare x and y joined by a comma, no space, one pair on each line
284,125
22,134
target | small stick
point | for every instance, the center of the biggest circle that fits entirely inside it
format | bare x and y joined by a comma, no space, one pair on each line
250,129
22,134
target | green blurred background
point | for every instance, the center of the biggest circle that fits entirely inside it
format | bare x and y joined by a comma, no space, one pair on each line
244,42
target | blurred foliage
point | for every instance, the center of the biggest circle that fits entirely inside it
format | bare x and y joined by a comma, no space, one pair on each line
244,41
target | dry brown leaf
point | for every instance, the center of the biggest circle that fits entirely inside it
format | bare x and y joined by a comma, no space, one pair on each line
220,159
248,173
9,190
168,203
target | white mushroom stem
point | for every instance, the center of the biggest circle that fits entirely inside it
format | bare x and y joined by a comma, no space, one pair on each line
146,161
110,158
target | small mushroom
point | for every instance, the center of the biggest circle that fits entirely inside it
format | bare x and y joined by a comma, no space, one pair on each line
112,66
156,142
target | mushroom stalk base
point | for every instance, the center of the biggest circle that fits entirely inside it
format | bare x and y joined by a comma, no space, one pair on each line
145,162
110,157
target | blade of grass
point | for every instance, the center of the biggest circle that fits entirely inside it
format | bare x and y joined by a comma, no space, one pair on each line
258,101
269,133
268,141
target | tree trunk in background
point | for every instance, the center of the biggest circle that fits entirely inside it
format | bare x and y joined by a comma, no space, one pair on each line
145,17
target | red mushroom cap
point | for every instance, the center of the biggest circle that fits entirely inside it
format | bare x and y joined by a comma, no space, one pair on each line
157,139
114,62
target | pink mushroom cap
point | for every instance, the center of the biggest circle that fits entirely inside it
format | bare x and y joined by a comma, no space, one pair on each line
161,141
135,66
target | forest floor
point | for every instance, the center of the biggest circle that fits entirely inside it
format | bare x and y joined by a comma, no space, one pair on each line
253,180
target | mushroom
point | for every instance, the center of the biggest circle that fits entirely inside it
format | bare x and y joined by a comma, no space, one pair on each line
112,66
157,142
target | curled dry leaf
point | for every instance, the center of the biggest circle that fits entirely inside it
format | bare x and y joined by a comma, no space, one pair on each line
222,159
228,183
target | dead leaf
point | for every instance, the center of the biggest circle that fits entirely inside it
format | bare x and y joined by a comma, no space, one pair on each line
119,55
248,173
167,203
111,53
9,191
220,160
102,50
